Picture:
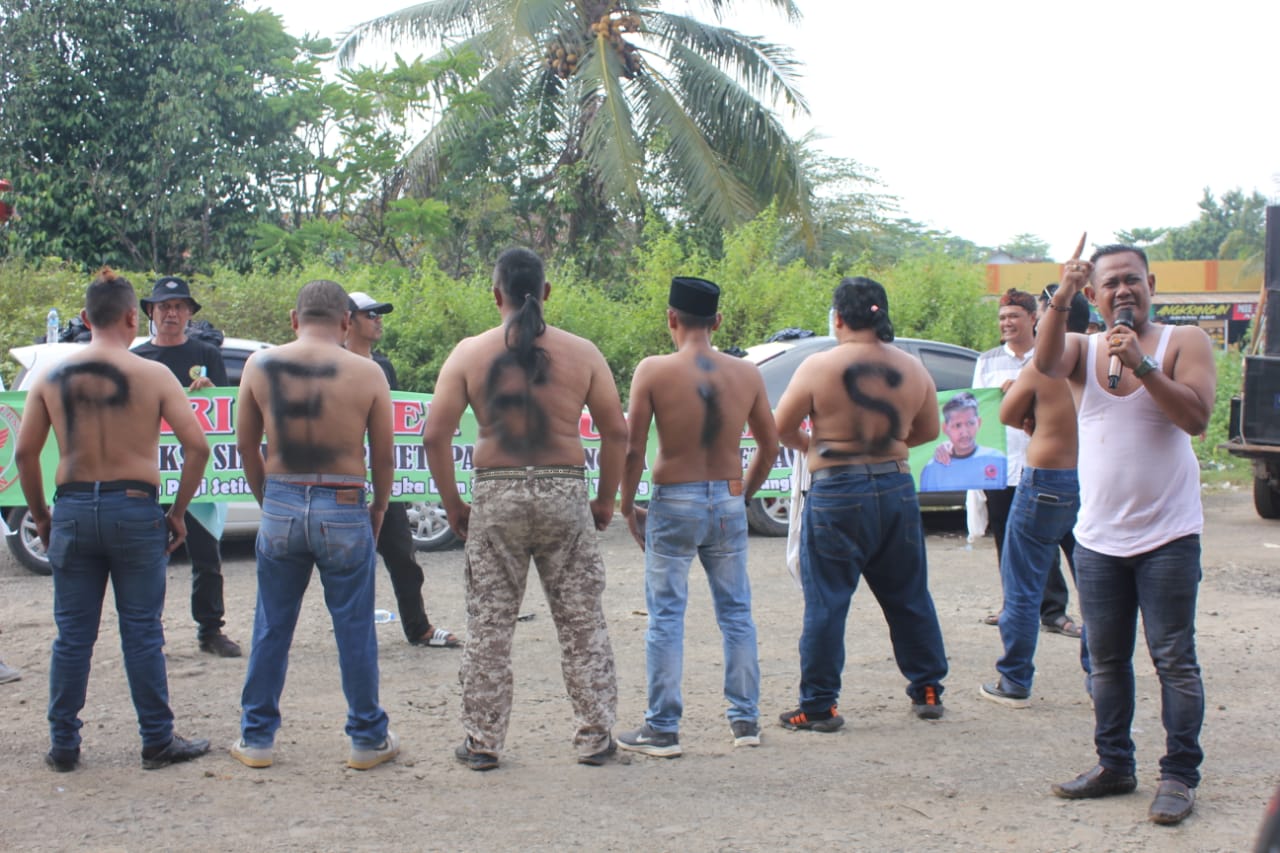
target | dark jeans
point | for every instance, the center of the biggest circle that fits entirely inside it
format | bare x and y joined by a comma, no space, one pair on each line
395,544
207,607
1054,602
1162,586
118,537
856,526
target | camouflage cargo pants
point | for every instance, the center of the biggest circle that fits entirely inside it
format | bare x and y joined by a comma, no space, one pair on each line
549,521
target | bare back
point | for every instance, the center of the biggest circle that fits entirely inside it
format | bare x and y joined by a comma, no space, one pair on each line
523,422
701,399
867,401
316,402
105,405
1051,403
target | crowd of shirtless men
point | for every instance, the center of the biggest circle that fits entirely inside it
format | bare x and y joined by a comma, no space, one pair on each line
853,411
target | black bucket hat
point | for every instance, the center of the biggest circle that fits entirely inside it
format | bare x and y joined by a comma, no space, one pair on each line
169,287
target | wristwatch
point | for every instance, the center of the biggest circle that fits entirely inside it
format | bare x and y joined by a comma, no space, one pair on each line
1145,366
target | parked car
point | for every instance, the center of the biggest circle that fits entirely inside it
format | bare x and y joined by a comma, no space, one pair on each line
427,519
950,366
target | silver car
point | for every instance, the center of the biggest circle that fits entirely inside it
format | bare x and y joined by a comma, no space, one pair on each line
427,520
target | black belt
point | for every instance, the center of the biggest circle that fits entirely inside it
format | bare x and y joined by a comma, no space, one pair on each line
897,466
81,487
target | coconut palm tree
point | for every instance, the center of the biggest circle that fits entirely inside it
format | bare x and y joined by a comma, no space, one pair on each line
622,91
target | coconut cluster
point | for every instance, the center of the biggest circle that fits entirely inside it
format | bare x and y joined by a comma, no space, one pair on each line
562,58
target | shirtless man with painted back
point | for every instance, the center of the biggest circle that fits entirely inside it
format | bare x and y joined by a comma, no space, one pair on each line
527,381
867,402
316,402
105,405
701,400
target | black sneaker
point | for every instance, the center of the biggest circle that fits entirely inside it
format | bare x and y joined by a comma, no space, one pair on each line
178,750
812,721
649,742
221,645
598,759
63,760
929,705
1003,693
474,760
745,732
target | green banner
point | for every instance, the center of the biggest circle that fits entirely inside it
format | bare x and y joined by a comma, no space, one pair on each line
224,477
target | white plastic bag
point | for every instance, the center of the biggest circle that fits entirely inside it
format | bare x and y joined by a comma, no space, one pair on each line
799,485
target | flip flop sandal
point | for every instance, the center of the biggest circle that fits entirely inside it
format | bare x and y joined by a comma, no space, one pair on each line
1065,626
440,638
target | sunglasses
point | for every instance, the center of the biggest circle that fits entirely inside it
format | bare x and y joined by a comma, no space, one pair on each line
372,315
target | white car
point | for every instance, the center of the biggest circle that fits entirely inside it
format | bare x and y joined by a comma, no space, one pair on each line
427,520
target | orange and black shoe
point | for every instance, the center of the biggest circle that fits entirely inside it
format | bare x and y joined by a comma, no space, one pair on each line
929,705
813,721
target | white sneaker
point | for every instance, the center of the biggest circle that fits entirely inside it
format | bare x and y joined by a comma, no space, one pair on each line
251,756
367,759
8,673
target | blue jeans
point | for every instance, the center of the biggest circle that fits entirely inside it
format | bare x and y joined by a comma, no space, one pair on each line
699,518
1162,586
1043,513
328,528
855,526
118,536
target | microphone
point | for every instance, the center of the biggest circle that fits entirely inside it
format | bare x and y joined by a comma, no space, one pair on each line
1124,317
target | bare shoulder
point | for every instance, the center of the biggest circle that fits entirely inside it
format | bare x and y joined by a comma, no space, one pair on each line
1190,337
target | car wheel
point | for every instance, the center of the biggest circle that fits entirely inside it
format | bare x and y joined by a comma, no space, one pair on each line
430,526
769,516
25,543
1266,498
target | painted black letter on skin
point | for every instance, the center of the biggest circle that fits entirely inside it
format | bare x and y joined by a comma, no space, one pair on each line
711,416
307,455
76,394
893,378
520,424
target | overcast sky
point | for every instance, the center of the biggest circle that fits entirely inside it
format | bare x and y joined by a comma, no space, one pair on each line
990,119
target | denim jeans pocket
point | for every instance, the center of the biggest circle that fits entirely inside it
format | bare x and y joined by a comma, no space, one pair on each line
273,534
62,540
140,538
345,543
829,526
1050,515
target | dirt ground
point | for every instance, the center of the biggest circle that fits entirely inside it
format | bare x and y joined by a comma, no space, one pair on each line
978,779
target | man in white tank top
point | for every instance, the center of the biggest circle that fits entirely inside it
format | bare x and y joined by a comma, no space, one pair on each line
1138,533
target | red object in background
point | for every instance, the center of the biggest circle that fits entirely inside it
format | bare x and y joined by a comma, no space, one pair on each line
6,209
5,186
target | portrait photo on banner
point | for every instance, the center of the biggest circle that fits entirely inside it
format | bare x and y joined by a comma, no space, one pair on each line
970,450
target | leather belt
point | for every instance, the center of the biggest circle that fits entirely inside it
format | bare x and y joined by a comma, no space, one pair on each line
80,487
897,466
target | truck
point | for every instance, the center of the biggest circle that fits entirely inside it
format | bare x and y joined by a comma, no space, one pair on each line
1254,428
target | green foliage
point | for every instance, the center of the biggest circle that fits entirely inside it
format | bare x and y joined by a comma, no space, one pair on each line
596,124
1230,370
940,298
1027,247
1230,228
932,296
142,133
